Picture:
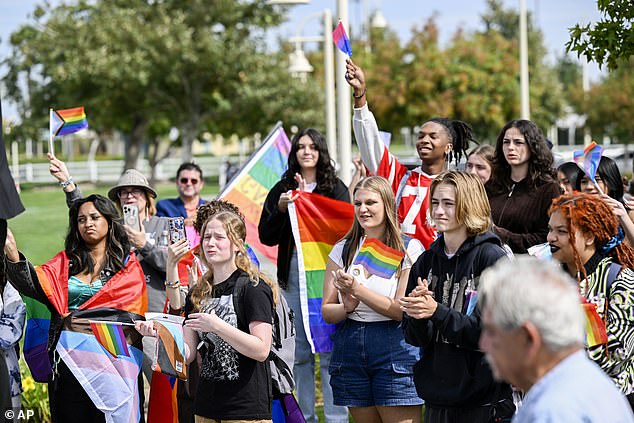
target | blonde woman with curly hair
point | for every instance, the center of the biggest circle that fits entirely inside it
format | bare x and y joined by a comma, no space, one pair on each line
235,382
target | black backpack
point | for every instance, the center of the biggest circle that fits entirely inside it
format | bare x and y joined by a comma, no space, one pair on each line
282,355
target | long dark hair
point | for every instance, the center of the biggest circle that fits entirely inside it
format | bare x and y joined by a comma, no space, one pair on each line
540,163
118,244
609,172
326,175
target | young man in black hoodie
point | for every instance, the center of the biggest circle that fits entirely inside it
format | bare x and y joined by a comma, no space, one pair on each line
440,307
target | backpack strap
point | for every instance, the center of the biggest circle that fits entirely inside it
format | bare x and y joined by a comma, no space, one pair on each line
238,294
613,273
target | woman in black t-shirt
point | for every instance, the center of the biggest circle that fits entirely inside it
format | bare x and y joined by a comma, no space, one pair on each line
235,380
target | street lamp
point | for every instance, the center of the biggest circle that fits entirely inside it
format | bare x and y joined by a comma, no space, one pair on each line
300,67
525,111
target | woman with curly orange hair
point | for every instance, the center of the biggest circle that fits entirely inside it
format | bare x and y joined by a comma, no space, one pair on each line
584,234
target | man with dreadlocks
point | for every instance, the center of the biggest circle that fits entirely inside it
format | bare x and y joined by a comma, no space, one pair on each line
585,236
440,140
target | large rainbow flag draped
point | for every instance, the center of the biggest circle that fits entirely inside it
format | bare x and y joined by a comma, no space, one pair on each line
318,222
249,188
67,121
110,382
588,159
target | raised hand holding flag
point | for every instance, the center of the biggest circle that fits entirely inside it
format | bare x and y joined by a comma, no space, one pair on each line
341,39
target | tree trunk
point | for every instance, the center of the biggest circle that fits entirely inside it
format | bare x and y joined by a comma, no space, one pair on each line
134,143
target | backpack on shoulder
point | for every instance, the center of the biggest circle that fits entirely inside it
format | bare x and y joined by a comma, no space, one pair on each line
282,355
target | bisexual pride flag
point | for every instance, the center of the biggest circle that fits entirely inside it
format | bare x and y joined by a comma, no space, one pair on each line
67,121
341,39
318,222
379,259
588,159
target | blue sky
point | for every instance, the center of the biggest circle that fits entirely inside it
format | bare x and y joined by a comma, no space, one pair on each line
553,17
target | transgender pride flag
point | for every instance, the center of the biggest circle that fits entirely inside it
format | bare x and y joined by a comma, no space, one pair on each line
318,222
588,160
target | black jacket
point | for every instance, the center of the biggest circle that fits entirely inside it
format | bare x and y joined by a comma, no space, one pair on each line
275,227
452,372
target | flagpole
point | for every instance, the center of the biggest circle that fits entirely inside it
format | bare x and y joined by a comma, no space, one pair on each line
51,148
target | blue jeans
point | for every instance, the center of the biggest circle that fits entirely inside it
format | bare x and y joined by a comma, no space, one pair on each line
304,368
372,365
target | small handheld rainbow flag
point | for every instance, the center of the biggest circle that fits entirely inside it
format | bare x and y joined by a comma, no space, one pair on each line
68,121
63,122
588,159
379,259
110,335
596,333
341,39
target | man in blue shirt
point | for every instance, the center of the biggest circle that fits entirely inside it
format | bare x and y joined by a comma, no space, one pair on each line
533,336
189,182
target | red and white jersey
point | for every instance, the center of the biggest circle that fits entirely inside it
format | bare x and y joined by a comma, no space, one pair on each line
411,188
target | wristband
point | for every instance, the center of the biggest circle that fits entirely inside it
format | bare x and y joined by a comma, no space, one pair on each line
365,90
174,284
67,183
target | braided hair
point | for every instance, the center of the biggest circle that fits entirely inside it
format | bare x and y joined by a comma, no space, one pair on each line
591,215
459,133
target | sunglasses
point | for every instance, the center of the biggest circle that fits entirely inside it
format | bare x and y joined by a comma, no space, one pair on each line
134,192
184,181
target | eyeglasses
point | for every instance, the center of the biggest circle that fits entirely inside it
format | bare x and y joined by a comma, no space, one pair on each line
184,181
124,193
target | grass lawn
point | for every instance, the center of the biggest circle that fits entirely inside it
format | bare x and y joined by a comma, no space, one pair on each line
41,229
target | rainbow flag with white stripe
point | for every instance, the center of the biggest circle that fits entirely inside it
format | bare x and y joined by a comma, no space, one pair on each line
249,188
318,222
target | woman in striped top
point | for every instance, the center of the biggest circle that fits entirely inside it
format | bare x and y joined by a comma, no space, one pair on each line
584,235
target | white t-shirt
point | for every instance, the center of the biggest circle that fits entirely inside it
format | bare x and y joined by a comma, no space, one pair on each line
382,286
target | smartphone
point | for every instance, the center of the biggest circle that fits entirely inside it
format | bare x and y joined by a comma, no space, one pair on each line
177,229
131,216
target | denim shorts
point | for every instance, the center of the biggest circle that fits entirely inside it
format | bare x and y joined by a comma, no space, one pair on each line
372,365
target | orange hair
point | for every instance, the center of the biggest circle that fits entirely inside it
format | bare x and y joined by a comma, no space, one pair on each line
593,216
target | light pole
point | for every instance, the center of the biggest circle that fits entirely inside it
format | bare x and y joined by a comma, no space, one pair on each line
299,66
524,94
344,105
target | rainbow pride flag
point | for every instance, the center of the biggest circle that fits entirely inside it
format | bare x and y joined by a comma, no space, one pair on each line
67,121
318,222
596,333
379,259
110,335
249,188
588,159
341,39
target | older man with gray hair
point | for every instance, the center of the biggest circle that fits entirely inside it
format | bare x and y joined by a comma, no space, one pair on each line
533,334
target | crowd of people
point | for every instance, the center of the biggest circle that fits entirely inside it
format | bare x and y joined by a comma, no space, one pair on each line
467,328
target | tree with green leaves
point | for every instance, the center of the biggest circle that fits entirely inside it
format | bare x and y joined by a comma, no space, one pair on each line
609,41
142,67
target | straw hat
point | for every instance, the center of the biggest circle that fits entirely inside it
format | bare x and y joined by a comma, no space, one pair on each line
131,178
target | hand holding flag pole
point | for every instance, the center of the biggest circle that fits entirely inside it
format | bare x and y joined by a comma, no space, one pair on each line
588,160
